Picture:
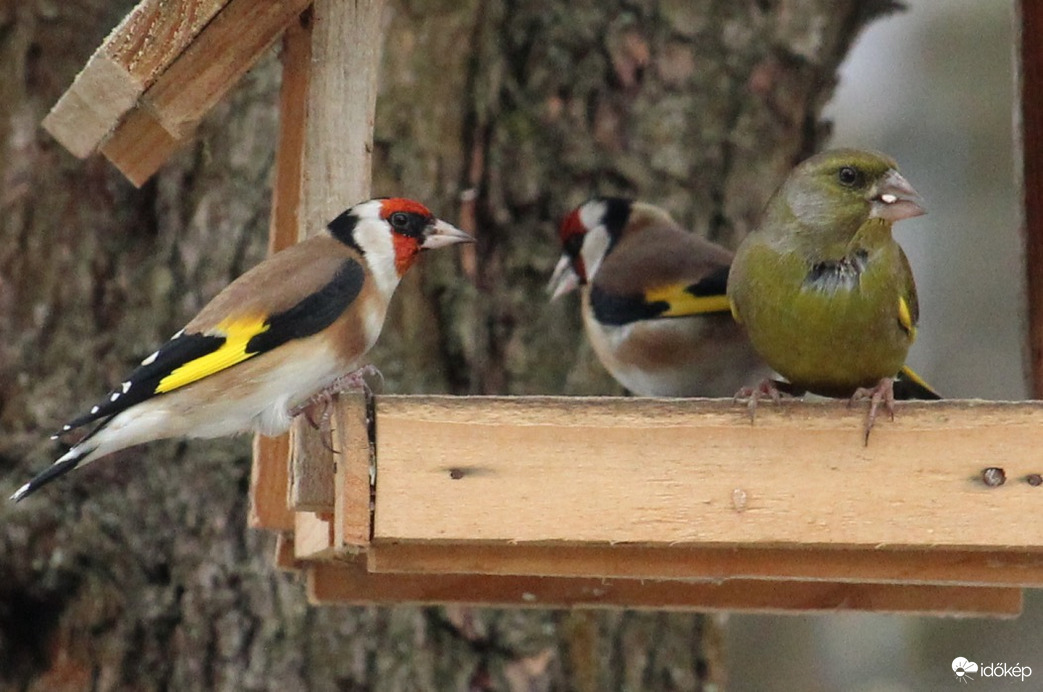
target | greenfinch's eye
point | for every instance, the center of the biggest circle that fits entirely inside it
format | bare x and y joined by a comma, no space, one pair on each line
848,176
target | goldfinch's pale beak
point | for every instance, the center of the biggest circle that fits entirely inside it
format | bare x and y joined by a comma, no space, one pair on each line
894,199
564,279
439,234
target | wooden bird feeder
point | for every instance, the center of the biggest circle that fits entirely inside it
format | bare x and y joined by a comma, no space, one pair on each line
593,502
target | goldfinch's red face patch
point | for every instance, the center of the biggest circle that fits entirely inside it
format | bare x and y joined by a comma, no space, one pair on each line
408,221
572,232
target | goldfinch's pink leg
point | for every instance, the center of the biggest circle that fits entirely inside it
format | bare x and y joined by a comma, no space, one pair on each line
766,389
883,392
353,381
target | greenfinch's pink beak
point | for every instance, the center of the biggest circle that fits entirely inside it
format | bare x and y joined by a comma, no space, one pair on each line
564,279
894,199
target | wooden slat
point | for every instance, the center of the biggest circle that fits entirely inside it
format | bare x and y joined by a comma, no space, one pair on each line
353,484
269,479
345,61
661,472
137,51
284,553
218,57
348,582
1030,81
139,146
270,483
948,567
313,536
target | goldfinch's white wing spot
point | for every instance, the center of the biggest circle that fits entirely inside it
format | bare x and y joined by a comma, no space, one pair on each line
115,395
125,386
94,409
151,359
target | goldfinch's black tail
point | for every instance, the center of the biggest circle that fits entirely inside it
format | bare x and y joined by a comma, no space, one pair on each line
66,463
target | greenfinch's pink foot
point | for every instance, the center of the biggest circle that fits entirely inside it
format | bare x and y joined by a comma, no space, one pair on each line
883,392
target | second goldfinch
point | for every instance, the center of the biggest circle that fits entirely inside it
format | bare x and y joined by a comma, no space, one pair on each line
292,327
653,300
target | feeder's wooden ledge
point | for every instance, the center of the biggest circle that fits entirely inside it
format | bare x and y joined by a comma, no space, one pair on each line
557,493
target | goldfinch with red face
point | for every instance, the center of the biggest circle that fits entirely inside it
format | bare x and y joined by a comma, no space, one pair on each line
653,300
293,326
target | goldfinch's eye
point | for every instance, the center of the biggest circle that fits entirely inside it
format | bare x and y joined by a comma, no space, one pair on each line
849,176
399,220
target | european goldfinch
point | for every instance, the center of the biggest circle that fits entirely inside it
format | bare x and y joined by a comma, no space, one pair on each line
653,300
293,326
823,289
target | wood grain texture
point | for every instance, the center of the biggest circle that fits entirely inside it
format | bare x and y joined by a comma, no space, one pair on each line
663,472
139,146
1030,83
349,582
130,59
948,567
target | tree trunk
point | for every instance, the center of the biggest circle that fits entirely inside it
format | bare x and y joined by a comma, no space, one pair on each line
139,573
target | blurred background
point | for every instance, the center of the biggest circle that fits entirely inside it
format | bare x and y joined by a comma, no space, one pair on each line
935,87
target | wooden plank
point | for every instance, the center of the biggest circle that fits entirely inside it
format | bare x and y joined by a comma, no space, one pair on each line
313,536
696,472
312,466
348,582
352,506
948,567
168,113
269,480
137,51
222,53
1030,82
139,146
345,61
285,559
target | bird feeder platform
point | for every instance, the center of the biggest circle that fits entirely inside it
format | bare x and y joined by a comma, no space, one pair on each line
564,502
670,504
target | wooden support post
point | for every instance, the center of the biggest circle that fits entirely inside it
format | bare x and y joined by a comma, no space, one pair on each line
1030,82
338,143
270,483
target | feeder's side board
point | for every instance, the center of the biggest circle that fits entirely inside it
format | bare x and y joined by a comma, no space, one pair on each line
811,563
348,581
696,472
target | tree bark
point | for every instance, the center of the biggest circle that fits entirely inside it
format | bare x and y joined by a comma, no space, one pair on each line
139,573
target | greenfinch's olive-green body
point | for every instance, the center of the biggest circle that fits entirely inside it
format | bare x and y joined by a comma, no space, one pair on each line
825,292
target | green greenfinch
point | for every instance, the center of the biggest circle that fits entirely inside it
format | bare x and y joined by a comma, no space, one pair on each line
653,300
825,293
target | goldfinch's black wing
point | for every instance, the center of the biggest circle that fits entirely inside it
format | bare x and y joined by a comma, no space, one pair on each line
191,356
679,299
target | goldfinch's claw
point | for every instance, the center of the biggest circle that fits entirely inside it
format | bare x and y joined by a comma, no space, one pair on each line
884,393
767,388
